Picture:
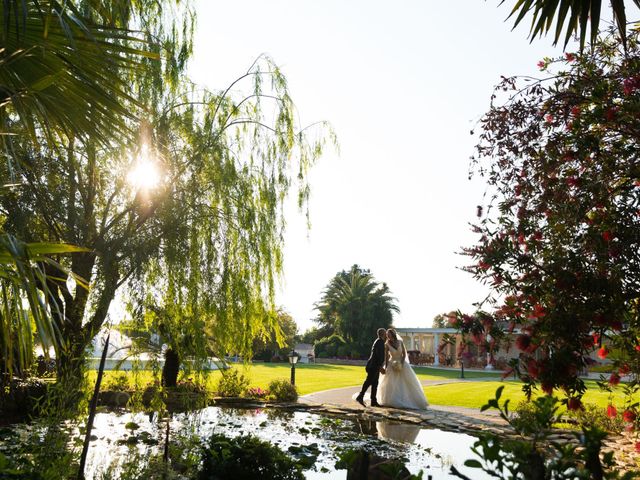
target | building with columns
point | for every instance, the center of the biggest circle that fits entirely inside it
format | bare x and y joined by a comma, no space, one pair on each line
422,345
426,341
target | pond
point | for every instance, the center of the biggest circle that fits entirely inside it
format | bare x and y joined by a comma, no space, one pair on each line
124,438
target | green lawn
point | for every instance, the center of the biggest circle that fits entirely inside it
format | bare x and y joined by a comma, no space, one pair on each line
309,377
318,377
475,394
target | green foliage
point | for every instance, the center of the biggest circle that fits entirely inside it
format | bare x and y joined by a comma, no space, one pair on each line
232,383
23,279
281,390
354,306
595,416
281,339
118,383
328,346
560,239
246,457
582,14
534,455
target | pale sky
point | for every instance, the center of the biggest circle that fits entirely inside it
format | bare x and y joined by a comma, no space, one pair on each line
402,83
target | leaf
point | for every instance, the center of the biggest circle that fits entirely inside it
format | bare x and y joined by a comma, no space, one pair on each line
472,463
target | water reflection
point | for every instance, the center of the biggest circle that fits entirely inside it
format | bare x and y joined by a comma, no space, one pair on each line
398,432
365,466
126,438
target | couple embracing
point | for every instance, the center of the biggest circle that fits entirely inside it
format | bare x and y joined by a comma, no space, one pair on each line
400,387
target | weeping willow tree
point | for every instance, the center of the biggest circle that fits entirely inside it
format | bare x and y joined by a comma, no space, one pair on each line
186,214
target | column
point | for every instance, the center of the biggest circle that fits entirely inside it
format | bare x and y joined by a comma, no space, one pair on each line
436,342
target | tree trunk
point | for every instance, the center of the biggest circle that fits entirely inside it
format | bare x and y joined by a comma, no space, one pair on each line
171,368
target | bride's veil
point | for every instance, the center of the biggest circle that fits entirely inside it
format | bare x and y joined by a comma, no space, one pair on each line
406,353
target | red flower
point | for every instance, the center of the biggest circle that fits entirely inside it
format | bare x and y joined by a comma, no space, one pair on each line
630,85
629,416
638,447
573,181
523,342
483,265
570,57
596,338
574,404
542,64
532,368
637,348
607,236
611,411
575,111
611,113
521,239
624,369
603,352
548,118
547,388
537,235
614,379
538,311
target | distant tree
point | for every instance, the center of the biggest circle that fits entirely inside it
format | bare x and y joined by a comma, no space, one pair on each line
354,305
312,335
283,338
440,321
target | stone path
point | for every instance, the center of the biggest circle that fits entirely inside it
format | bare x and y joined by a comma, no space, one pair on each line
344,397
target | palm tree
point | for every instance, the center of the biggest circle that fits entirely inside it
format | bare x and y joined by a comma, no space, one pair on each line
579,15
57,78
355,305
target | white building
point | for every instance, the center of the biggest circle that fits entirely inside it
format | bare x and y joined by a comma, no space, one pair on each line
305,350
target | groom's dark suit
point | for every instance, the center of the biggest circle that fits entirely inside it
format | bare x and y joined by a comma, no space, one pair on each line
374,364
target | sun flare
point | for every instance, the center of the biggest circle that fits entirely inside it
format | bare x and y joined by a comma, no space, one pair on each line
145,173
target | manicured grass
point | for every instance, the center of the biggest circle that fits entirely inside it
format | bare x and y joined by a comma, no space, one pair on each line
431,373
309,377
476,394
312,378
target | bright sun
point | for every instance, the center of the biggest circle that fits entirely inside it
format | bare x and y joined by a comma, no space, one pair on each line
145,173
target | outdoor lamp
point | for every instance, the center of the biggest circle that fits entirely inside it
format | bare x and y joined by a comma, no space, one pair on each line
293,359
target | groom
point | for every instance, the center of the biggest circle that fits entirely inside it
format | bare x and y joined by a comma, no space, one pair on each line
374,369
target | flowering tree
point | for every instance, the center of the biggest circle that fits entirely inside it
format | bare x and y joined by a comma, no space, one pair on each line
480,329
560,239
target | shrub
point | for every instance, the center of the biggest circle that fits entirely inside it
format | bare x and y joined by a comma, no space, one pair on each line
595,416
257,393
118,382
232,383
246,457
282,391
189,386
343,351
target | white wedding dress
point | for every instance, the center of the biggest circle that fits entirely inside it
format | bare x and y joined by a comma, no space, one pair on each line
399,386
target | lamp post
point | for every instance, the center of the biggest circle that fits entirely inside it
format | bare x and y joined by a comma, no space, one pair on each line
461,367
293,359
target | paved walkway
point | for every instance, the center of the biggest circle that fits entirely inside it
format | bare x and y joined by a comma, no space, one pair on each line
343,397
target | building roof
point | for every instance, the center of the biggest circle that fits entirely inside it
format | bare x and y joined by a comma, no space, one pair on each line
426,330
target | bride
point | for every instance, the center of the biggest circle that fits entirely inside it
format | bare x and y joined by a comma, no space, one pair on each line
399,386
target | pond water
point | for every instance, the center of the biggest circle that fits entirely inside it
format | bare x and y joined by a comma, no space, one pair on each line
120,437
